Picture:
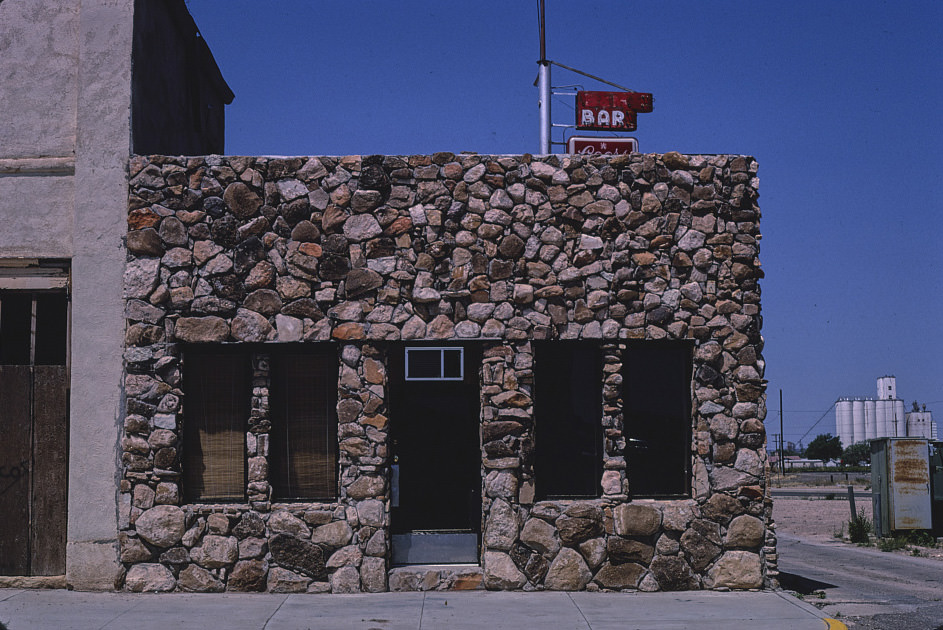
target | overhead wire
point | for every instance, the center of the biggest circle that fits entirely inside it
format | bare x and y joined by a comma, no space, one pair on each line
817,421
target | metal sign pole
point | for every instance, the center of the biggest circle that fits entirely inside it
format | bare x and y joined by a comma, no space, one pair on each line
543,86
782,437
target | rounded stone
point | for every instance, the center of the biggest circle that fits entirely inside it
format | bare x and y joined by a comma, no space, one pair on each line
149,578
540,536
636,520
501,527
241,200
248,576
619,576
568,572
216,551
745,531
198,580
345,580
162,525
283,522
336,534
736,569
501,573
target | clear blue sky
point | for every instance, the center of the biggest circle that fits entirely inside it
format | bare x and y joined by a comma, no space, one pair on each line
840,102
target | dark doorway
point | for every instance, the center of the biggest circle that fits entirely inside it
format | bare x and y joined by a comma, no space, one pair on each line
434,419
34,432
656,395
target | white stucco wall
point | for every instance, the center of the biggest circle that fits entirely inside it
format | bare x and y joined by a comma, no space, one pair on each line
65,99
38,69
103,145
40,207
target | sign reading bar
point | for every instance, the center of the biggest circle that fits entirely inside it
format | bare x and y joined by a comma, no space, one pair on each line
587,145
610,111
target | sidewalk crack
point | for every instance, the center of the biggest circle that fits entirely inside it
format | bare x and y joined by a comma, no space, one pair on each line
274,612
579,610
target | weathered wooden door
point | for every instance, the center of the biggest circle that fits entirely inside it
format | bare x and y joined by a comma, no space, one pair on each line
34,432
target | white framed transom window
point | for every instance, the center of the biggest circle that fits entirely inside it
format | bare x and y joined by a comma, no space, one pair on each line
431,363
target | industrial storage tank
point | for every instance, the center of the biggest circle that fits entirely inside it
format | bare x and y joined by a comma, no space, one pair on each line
884,411
870,420
900,419
844,425
857,412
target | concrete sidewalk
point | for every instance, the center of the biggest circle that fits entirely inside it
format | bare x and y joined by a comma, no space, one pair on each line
704,610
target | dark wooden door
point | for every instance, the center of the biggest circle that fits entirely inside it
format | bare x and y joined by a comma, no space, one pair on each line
15,460
34,432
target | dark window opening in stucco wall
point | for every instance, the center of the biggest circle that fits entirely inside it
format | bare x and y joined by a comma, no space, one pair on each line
656,394
178,94
567,419
303,449
15,313
217,384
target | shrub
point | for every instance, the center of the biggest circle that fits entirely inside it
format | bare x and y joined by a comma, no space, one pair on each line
859,527
921,537
892,544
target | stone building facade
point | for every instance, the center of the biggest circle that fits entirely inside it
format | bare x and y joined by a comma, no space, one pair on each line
267,296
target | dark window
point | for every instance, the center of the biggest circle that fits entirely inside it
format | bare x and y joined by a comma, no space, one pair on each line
567,418
218,387
16,311
656,394
34,327
51,328
303,449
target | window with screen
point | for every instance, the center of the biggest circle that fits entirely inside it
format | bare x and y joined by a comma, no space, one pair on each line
303,448
656,398
218,387
567,418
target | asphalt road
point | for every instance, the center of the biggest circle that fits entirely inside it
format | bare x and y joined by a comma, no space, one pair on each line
865,588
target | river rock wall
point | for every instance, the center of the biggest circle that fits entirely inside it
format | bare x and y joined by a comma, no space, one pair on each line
503,250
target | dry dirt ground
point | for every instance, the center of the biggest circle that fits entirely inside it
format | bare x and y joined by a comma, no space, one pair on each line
823,519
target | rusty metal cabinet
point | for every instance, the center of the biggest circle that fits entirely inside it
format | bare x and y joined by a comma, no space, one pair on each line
900,481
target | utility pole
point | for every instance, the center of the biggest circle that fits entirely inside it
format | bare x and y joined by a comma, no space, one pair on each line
543,85
782,436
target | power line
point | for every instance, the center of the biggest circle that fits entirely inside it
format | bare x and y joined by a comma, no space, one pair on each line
817,421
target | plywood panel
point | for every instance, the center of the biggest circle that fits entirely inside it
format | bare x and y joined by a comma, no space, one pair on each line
14,469
50,470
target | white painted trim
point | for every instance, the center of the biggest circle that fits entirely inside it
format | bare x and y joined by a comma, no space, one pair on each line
33,283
